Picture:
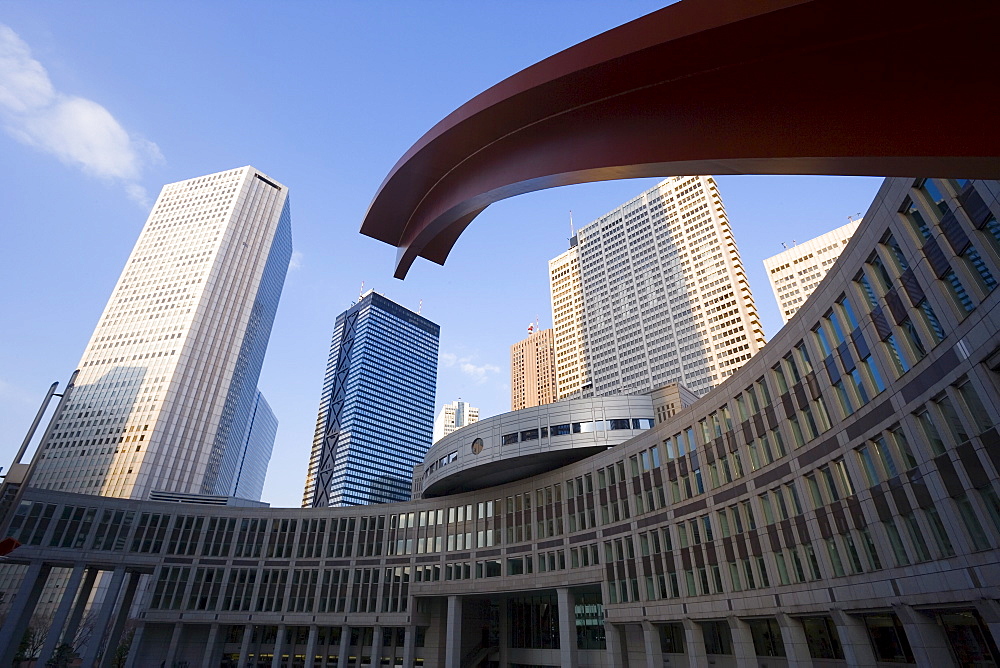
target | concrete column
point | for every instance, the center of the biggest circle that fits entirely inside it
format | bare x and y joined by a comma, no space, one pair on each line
376,649
103,617
504,632
21,609
345,646
453,633
279,647
80,607
310,646
133,652
410,646
616,648
694,644
853,639
175,641
651,643
794,638
208,658
245,646
114,638
62,614
567,627
746,655
927,640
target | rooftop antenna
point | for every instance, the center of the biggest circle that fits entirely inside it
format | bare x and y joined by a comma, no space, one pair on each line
572,232
362,292
420,306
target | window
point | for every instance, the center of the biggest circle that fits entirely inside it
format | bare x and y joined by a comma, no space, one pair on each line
957,291
718,638
930,431
888,638
974,406
822,638
766,636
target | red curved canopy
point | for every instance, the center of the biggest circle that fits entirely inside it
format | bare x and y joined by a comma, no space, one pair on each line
850,87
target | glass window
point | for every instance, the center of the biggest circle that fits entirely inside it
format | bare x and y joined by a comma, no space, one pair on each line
977,267
958,292
915,219
974,406
845,306
824,344
766,636
866,290
951,418
718,638
888,638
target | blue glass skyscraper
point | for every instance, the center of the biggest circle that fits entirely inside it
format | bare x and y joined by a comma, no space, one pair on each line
376,413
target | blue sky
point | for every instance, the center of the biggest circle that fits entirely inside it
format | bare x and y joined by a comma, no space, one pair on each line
103,103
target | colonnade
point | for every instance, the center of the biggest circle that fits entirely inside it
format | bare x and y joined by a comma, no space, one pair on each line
927,639
109,616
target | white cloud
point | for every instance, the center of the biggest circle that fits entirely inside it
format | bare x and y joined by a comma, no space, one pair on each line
77,131
296,261
478,372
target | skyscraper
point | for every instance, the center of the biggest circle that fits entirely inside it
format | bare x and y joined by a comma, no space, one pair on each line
376,412
532,370
454,416
665,297
168,382
569,346
794,273
257,446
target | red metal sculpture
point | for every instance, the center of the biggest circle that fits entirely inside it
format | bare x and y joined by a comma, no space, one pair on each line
851,87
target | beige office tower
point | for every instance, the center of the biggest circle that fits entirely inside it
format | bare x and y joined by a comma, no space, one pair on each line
166,397
532,371
572,372
665,296
795,273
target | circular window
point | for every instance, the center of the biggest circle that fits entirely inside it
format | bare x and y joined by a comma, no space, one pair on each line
477,446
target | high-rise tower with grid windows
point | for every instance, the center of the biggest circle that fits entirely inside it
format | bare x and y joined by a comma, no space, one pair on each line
662,295
376,413
795,272
533,370
167,391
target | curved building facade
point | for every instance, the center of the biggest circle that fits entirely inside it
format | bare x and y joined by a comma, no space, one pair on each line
522,443
835,502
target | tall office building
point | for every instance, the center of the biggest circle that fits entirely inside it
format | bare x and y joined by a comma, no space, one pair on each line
665,297
533,370
454,416
167,387
794,273
569,346
376,413
258,443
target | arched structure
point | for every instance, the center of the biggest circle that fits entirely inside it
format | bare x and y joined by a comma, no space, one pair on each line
846,87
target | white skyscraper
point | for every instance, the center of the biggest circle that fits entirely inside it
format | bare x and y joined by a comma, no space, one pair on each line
795,273
454,416
572,371
665,298
166,398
